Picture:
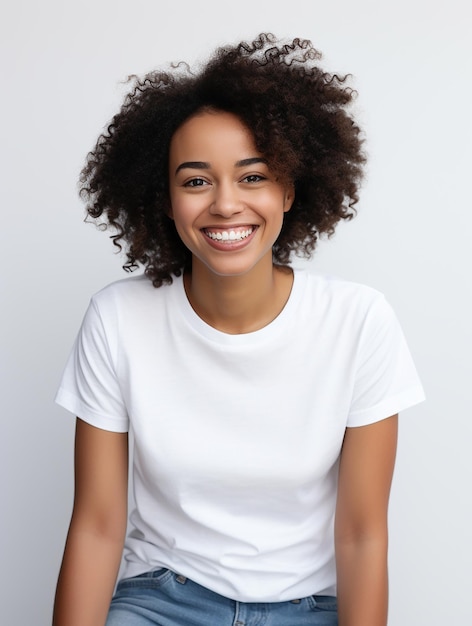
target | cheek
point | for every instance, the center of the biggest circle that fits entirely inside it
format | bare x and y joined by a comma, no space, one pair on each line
179,211
184,214
276,207
184,233
185,208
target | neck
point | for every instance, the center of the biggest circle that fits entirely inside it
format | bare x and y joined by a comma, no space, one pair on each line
239,304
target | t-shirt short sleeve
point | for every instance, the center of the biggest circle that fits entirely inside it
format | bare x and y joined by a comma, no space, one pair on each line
386,378
90,387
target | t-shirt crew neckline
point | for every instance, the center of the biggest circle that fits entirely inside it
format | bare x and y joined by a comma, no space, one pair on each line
261,335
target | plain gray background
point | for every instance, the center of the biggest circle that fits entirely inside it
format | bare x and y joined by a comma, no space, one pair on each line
63,67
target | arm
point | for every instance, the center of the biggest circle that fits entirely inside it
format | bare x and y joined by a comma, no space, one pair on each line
361,537
95,540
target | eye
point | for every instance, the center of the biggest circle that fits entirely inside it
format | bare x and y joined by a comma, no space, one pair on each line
195,182
253,178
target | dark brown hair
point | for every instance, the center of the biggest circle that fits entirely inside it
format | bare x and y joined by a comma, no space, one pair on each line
297,114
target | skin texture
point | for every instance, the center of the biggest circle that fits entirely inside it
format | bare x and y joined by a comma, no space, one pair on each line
96,534
218,182
361,536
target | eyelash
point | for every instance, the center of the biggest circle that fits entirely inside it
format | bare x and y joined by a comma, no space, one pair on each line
259,177
193,181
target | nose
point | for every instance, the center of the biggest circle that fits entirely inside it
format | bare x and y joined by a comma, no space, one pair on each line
226,200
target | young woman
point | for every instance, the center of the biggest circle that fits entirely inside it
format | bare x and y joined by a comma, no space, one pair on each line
262,401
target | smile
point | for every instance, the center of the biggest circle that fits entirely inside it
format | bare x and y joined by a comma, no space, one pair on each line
231,235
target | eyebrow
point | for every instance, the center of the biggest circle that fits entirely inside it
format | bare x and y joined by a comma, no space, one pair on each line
204,165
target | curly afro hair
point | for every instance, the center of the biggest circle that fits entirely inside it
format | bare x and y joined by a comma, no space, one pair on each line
297,114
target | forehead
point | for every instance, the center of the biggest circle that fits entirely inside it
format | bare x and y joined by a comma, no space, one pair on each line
212,132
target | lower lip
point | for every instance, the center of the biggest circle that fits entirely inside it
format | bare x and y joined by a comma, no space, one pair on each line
229,246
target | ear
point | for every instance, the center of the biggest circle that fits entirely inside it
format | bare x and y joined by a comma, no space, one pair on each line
289,197
169,211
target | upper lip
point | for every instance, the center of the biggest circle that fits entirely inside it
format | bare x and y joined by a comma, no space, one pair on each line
228,226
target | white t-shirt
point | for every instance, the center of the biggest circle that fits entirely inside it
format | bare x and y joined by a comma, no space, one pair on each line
237,437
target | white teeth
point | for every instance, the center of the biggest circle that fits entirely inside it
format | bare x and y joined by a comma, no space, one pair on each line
231,235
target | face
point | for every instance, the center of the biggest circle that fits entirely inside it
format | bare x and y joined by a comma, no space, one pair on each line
227,204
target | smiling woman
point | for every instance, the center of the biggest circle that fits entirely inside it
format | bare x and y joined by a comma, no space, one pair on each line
297,116
227,206
262,400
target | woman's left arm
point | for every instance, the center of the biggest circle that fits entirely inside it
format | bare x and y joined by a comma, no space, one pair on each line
361,534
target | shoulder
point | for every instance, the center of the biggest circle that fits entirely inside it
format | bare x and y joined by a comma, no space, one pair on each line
134,285
132,291
333,295
129,302
344,311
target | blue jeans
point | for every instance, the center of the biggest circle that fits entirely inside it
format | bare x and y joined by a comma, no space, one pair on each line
163,598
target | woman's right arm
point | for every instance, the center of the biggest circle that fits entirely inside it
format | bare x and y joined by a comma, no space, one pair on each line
96,534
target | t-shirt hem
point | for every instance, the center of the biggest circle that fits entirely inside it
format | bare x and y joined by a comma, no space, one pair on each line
72,403
232,592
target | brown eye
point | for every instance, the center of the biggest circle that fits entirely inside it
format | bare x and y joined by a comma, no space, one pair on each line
253,178
195,182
